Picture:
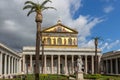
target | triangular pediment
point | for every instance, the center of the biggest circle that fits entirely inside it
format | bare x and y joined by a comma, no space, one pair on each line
60,28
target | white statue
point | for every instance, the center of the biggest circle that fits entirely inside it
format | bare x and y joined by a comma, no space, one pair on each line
79,64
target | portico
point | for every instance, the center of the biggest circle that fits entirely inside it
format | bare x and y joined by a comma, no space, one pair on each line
59,61
111,63
9,61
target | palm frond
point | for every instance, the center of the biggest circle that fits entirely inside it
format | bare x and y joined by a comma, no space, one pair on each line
27,6
31,11
46,1
44,8
30,2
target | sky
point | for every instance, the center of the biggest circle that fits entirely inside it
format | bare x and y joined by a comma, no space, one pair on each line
90,18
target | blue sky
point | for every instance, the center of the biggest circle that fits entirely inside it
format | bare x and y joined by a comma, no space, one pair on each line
108,29
89,17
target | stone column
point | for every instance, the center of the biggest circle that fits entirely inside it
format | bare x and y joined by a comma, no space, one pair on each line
9,65
92,64
45,64
85,64
5,65
66,67
111,65
1,57
72,64
99,66
52,64
15,65
24,63
31,67
12,65
20,65
107,66
116,66
58,64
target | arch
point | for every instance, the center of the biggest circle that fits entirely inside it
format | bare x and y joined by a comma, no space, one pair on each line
59,41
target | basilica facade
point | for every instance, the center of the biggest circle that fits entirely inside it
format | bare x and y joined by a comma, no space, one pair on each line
60,52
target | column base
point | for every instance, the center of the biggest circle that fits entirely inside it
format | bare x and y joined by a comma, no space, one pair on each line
79,76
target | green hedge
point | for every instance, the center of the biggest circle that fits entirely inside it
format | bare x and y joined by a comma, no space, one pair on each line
42,77
92,76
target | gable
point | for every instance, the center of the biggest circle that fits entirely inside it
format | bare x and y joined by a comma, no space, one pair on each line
59,28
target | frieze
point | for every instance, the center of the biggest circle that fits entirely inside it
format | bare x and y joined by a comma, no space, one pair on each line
59,34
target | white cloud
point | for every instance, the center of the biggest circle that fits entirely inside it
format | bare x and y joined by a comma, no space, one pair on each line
109,45
108,9
117,42
75,5
9,25
15,19
88,44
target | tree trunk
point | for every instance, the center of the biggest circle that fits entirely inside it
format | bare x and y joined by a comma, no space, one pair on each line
96,60
37,51
38,20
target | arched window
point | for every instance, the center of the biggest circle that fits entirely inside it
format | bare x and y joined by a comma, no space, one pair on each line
69,41
48,41
59,41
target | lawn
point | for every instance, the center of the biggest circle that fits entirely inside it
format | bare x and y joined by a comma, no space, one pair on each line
63,77
101,77
42,77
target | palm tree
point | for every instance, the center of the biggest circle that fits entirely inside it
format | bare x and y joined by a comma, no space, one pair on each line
37,8
96,58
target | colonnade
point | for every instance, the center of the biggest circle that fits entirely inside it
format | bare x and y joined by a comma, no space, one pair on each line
9,64
111,66
67,62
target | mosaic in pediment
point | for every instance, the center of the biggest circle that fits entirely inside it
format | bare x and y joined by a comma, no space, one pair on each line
59,29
